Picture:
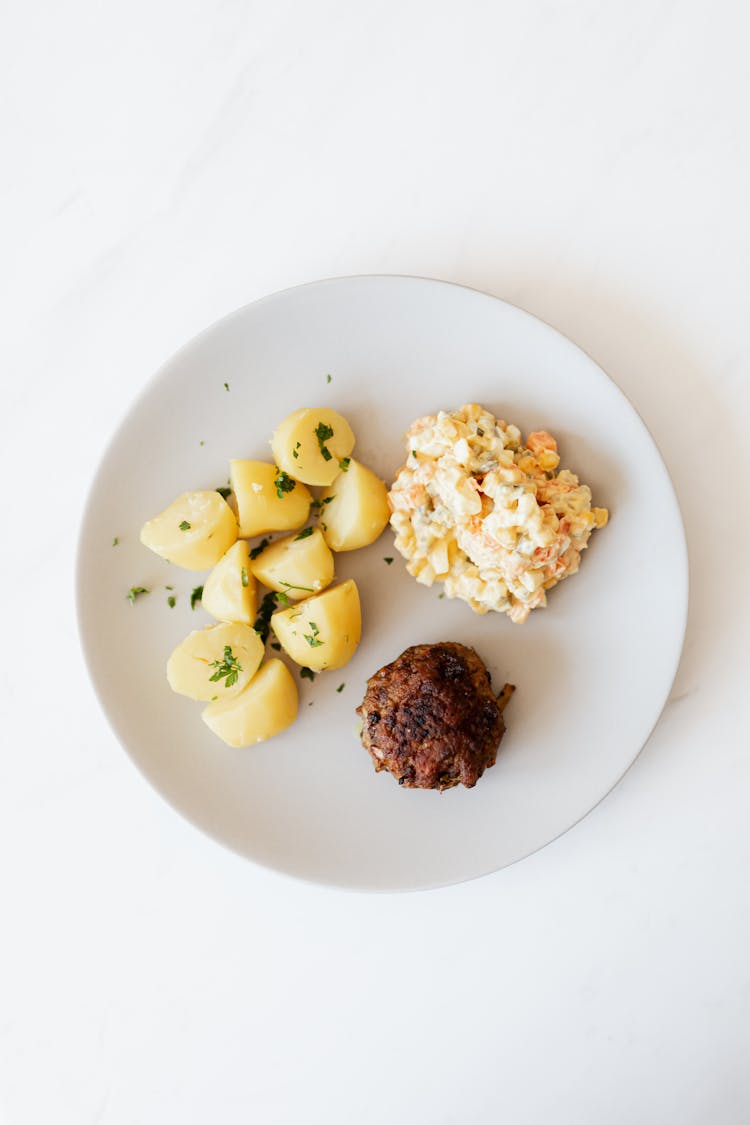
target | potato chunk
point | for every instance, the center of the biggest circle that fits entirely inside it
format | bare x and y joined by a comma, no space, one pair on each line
230,592
323,631
297,565
216,662
267,706
194,531
311,443
267,499
357,509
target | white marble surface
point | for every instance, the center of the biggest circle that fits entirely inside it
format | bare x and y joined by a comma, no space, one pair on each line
165,162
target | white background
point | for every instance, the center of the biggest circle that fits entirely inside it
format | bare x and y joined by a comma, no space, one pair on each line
163,162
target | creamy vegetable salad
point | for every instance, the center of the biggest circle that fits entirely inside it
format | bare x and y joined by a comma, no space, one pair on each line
489,516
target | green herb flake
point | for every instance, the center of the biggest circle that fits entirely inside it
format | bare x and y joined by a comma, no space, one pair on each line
196,596
245,578
115,541
225,493
214,698
201,443
307,674
441,595
282,598
328,378
414,453
304,534
340,688
185,526
388,560
263,620
344,464
227,669
291,586
295,454
316,505
324,433
171,601
135,592
169,587
259,549
312,637
226,386
284,484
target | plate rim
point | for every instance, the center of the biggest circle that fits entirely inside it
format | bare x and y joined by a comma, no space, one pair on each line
79,593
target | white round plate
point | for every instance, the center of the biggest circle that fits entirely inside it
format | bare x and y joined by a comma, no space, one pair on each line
593,670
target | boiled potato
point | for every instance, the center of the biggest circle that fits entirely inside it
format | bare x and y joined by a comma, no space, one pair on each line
356,508
216,662
323,631
267,706
230,592
311,443
296,566
267,499
194,531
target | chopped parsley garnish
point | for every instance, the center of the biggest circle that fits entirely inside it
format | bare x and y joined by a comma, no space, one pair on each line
307,674
388,560
226,386
304,534
224,492
344,464
135,592
441,595
263,620
414,453
291,586
328,378
259,549
284,484
201,443
171,601
185,526
324,433
169,587
227,669
295,454
245,579
340,688
196,596
312,637
282,598
115,541
316,505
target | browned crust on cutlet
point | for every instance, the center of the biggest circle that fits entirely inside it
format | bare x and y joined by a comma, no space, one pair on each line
431,718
